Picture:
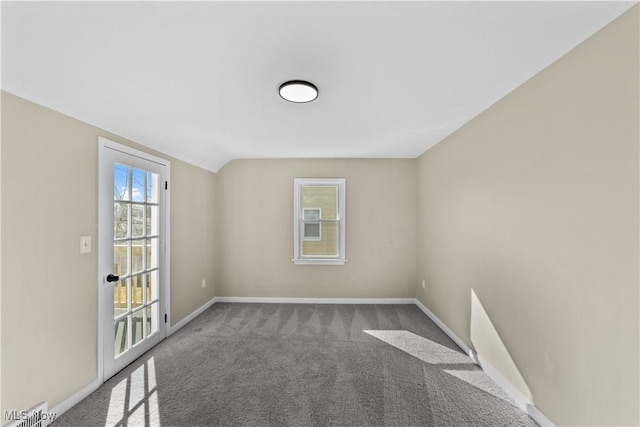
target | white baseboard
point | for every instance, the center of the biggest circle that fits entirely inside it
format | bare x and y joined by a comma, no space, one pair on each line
192,316
539,417
456,339
505,385
317,300
75,398
520,399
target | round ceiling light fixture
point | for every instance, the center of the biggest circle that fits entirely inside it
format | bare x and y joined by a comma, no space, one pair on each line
298,91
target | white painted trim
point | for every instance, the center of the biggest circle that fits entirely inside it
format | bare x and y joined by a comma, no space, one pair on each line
107,151
538,416
166,305
341,201
520,399
75,398
456,339
192,316
317,300
116,146
320,261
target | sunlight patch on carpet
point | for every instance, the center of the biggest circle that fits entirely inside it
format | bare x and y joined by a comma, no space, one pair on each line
142,409
115,413
436,354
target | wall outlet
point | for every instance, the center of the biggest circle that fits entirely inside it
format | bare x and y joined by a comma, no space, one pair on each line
422,283
204,283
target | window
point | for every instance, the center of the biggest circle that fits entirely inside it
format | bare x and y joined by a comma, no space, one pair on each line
311,227
319,221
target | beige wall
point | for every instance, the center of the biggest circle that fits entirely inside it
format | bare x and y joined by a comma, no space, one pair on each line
256,233
49,299
534,207
193,238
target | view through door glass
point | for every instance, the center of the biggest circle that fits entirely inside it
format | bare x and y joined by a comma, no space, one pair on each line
136,229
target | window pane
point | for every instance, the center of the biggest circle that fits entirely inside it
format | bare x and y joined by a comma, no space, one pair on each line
152,253
120,182
152,220
152,286
312,230
121,343
323,198
136,291
136,326
120,258
152,187
327,245
120,298
311,214
137,185
152,319
136,255
137,220
120,220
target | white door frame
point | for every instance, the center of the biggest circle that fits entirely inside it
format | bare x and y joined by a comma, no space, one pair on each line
103,233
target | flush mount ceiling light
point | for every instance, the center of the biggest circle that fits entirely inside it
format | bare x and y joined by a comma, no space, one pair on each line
298,91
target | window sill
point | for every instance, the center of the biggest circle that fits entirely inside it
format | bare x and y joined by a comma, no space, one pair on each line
320,261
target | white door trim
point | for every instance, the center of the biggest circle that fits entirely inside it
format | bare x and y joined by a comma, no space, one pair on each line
104,143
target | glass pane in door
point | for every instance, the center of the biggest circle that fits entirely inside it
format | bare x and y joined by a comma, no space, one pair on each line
121,298
152,221
121,179
121,258
121,341
137,326
152,253
137,180
137,220
136,291
152,187
136,245
152,319
120,220
152,286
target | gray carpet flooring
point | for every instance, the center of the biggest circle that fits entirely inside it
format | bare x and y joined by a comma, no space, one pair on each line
301,365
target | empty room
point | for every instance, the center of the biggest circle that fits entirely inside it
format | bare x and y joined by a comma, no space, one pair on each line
320,213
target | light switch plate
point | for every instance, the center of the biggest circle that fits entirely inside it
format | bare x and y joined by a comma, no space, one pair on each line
85,244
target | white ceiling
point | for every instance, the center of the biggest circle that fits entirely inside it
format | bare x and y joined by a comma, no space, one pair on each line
199,80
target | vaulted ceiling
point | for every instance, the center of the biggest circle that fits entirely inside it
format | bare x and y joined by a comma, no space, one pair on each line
199,80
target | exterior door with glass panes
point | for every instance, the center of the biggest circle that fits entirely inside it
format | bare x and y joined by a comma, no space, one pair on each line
132,253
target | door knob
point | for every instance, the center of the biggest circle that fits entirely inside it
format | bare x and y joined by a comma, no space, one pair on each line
112,278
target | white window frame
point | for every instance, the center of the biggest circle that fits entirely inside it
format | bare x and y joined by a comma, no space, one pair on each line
304,226
298,224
